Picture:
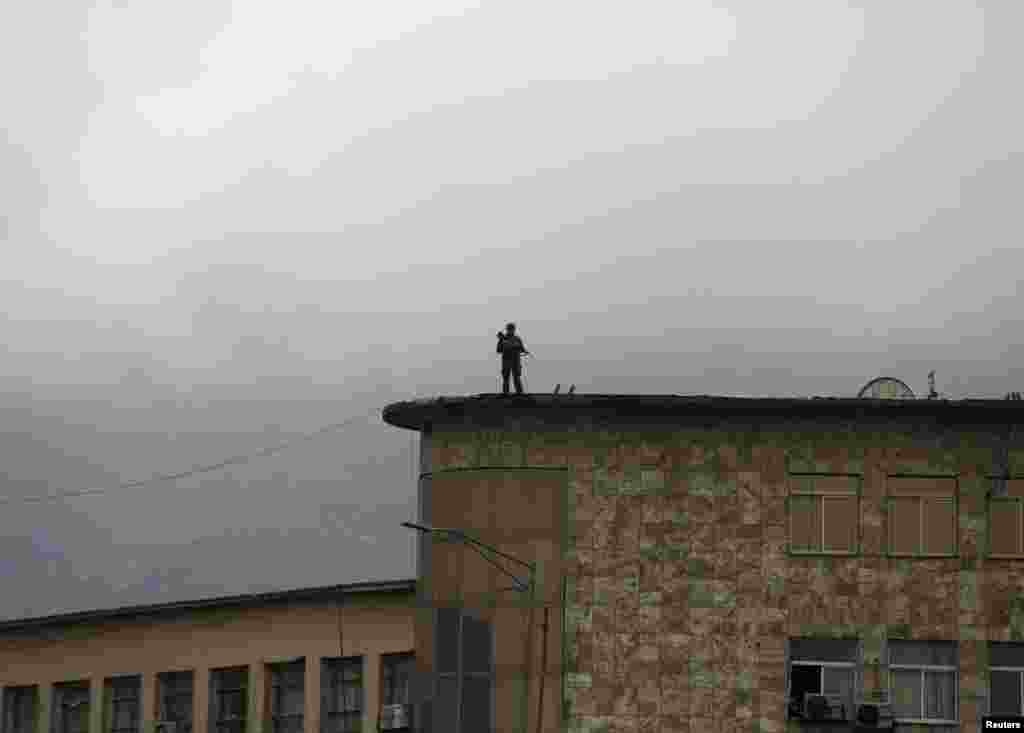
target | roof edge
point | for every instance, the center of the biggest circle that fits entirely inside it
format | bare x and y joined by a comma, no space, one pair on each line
420,414
313,594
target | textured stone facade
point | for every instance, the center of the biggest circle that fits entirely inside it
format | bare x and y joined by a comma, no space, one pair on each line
681,589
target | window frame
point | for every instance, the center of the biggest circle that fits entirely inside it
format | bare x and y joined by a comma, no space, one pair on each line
459,675
58,722
217,722
281,680
112,687
820,494
163,688
1019,671
333,684
389,662
1018,501
955,669
853,665
921,498
9,706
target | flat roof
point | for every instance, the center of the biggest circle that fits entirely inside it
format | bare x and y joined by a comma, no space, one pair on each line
490,408
177,608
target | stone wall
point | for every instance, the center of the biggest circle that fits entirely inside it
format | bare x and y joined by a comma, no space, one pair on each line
682,591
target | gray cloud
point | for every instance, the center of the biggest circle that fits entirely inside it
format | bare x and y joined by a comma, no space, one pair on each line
225,228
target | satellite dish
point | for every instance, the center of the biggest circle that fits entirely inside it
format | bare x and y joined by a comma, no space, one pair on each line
886,388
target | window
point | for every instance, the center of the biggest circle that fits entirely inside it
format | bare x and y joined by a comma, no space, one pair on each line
923,681
397,671
19,706
174,699
287,696
71,707
1006,678
229,699
342,707
396,674
821,678
922,516
121,704
1006,529
465,672
824,514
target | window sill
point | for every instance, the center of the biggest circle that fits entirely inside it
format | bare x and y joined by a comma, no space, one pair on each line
1005,557
922,556
823,553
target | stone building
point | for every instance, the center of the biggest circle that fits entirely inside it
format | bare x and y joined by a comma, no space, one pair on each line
312,660
714,564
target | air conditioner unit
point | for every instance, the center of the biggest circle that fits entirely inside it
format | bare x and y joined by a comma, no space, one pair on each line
874,714
394,716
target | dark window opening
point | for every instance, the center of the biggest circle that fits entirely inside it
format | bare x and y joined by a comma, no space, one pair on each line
122,704
465,673
71,707
20,706
342,707
229,699
287,696
396,679
174,696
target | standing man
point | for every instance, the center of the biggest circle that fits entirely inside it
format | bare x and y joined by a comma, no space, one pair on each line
511,348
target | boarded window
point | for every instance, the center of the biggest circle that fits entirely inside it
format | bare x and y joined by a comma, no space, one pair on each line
839,515
824,514
904,525
1005,528
938,526
922,516
19,709
805,522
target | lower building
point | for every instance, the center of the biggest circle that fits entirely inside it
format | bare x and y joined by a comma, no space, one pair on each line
318,660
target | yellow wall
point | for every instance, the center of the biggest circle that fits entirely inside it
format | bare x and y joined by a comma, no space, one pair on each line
204,640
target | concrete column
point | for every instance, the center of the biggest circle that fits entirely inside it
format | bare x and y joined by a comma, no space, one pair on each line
311,716
201,700
45,710
371,691
258,709
147,703
96,700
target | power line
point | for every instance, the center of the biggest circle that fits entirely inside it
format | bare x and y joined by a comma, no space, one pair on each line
233,461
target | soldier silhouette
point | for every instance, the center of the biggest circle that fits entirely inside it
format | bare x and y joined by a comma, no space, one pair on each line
511,349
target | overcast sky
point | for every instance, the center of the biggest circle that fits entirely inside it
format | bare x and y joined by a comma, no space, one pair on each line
225,224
